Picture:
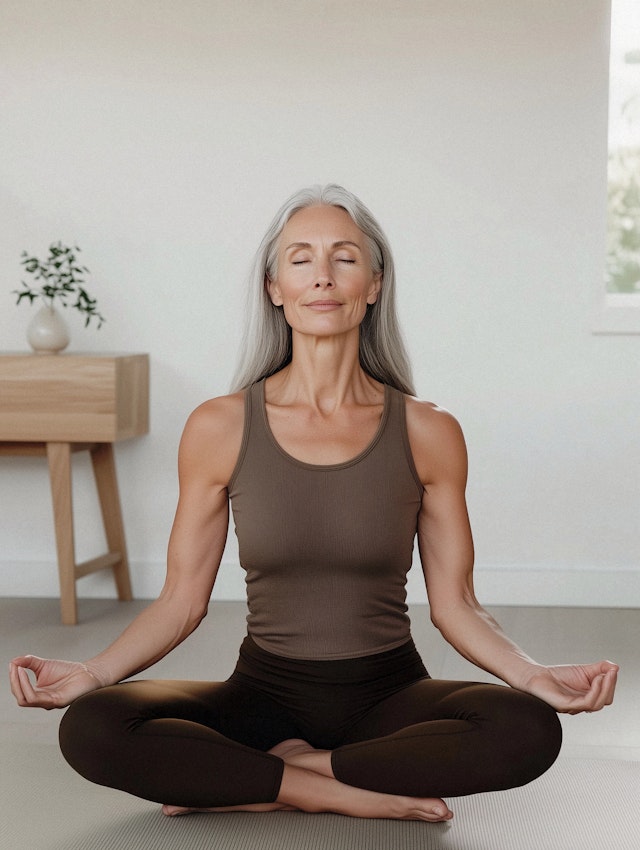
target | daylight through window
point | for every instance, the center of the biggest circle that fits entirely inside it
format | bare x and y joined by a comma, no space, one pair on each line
623,219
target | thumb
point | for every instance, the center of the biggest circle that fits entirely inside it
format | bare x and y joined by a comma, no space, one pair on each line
30,662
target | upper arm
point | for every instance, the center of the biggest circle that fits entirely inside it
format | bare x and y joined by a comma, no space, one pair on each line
444,534
208,453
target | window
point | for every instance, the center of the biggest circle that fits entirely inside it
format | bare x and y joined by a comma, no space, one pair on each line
619,302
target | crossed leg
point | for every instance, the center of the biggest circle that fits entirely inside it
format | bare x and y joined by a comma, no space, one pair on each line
180,743
449,737
308,784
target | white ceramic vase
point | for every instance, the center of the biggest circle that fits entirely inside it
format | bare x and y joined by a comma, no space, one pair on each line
47,332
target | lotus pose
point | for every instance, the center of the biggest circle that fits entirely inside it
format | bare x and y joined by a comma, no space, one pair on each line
332,468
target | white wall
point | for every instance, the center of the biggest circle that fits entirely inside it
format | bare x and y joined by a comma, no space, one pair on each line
162,136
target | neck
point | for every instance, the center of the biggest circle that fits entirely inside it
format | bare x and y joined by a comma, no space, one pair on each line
324,373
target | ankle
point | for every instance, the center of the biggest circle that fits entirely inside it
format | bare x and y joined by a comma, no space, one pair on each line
317,761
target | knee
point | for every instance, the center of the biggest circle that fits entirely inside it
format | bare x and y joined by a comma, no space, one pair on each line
552,731
88,734
538,734
523,736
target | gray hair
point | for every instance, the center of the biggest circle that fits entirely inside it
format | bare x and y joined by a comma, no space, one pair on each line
267,339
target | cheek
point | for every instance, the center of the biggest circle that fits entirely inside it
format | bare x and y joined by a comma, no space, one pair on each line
281,291
291,289
288,299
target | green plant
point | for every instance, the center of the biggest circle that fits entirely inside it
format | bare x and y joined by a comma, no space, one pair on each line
62,277
623,229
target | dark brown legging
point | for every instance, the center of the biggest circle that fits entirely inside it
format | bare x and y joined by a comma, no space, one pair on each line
391,729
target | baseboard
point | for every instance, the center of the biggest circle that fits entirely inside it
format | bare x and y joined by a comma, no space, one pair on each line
557,587
503,585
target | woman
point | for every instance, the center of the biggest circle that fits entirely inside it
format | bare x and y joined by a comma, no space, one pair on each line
332,467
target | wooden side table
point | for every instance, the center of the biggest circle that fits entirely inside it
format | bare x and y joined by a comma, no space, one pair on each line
54,405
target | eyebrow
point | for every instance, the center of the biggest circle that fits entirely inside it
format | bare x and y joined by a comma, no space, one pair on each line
341,244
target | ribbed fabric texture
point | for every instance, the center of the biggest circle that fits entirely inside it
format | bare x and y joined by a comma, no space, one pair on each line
326,549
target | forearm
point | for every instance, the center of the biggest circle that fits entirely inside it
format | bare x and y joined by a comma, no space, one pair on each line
476,635
152,635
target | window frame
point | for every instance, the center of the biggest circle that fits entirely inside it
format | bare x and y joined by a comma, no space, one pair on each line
614,312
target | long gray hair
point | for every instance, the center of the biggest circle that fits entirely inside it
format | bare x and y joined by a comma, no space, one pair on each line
267,346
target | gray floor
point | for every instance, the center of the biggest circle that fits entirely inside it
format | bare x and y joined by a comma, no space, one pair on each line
590,795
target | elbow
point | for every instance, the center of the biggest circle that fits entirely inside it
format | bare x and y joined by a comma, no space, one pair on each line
186,610
438,618
441,609
447,622
196,615
433,616
445,614
188,618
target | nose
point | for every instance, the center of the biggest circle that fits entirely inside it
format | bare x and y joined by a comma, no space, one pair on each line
324,280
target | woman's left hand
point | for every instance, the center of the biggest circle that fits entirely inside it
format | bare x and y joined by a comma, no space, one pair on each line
573,688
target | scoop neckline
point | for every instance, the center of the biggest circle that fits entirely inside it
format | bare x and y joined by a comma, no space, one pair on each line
322,466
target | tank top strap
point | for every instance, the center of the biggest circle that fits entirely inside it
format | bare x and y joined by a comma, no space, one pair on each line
391,435
256,422
251,414
396,429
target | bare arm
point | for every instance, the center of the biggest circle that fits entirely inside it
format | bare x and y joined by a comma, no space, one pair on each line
208,451
446,551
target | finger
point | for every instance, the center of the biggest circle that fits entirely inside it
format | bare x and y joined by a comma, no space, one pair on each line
587,701
25,681
611,679
18,676
607,688
16,687
31,662
599,693
33,696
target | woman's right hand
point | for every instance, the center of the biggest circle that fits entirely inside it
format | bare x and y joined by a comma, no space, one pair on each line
57,683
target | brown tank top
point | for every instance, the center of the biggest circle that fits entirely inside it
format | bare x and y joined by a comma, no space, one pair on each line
327,548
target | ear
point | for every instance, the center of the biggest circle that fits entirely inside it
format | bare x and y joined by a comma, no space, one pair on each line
374,291
273,290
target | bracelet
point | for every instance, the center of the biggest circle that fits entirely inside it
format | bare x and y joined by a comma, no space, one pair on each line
93,675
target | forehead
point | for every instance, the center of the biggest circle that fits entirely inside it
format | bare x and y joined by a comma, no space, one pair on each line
319,223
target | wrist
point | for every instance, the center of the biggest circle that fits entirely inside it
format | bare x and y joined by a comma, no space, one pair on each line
525,677
93,670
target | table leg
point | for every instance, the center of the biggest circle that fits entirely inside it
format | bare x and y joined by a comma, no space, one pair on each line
59,458
104,469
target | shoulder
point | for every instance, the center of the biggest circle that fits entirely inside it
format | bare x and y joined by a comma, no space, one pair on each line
216,416
436,440
429,421
212,437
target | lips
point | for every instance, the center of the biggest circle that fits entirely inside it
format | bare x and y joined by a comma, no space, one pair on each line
324,304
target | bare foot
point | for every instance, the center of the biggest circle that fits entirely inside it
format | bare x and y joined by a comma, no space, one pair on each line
300,753
357,802
308,785
290,747
311,791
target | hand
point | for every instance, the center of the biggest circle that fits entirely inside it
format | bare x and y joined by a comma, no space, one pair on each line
58,683
573,688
